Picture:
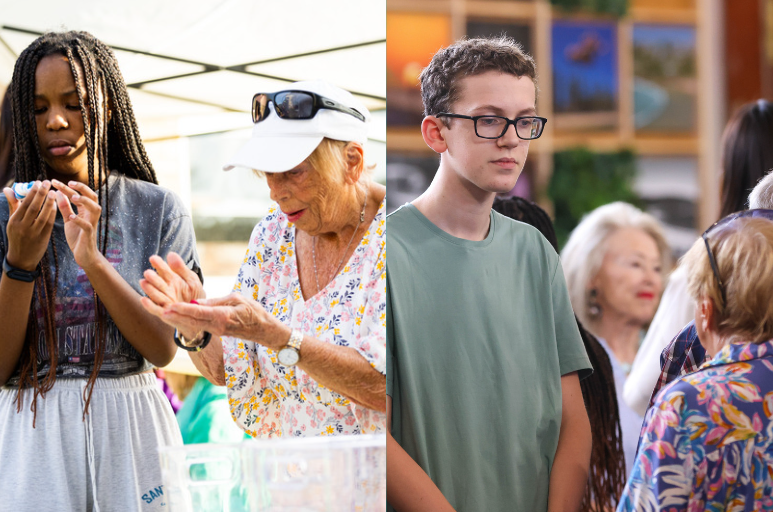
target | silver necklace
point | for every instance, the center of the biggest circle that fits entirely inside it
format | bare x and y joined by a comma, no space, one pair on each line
314,246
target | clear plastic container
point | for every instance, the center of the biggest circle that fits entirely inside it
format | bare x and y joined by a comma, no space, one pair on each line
321,474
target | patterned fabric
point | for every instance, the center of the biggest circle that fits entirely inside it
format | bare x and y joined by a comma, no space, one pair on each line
707,443
268,399
682,356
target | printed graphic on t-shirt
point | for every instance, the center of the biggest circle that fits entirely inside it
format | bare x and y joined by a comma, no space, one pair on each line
76,327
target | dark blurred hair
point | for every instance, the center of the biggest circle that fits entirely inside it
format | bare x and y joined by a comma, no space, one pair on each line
747,153
6,140
606,478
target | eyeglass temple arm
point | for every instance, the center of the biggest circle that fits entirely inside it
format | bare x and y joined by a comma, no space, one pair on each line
714,268
334,105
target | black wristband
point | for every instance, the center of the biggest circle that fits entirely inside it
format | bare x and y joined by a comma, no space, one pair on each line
193,345
19,274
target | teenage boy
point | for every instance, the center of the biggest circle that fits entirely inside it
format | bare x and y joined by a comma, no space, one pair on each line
485,357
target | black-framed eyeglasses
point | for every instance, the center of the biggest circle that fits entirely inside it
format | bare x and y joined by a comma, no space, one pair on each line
760,212
296,105
493,127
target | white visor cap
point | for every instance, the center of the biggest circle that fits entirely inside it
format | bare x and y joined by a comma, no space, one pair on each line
278,145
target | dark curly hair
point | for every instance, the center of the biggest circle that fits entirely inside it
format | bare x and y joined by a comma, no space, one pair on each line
468,57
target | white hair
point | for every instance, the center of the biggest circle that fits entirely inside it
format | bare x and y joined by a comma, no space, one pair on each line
762,194
584,252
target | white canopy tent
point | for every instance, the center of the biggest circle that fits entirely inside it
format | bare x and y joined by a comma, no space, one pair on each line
206,57
192,68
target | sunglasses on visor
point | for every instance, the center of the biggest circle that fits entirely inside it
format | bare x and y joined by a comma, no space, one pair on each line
296,105
763,213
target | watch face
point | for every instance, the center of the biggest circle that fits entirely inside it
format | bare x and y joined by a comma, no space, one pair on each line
288,356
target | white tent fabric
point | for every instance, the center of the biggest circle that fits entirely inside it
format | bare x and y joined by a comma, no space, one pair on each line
207,58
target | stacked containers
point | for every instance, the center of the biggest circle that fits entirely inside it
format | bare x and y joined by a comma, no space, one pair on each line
322,474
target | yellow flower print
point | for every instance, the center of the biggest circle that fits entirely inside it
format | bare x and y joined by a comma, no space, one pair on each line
329,429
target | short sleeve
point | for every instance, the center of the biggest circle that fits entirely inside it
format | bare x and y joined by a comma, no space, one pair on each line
178,236
572,356
240,357
370,341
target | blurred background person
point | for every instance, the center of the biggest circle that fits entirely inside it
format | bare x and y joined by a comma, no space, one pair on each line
685,354
747,155
706,443
615,261
202,412
762,194
606,477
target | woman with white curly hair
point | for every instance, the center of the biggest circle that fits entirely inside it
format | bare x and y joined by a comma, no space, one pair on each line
615,263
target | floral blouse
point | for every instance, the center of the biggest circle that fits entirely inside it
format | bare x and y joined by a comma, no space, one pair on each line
268,399
707,442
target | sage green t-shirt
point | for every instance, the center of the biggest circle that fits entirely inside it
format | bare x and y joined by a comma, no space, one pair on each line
479,334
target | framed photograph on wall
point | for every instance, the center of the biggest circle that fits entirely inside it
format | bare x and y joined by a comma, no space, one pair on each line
521,32
413,40
585,75
665,80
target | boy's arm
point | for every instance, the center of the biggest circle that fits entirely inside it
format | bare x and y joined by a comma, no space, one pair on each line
409,488
569,474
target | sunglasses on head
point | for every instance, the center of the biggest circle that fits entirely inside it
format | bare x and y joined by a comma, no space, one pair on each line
762,213
296,105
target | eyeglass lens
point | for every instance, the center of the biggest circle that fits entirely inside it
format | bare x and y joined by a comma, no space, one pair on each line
288,105
294,105
495,126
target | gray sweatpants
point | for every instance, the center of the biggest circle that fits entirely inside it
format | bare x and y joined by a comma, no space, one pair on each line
107,463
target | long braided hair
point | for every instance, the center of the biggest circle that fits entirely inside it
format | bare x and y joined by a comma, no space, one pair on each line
6,140
110,144
607,461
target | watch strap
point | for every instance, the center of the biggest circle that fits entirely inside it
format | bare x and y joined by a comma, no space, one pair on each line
196,344
18,273
296,338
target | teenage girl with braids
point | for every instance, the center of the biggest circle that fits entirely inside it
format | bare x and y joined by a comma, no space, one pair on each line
82,416
606,477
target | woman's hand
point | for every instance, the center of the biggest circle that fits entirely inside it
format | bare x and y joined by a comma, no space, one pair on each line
80,228
172,281
29,225
232,315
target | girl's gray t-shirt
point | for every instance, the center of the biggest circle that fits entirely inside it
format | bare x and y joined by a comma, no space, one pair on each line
144,219
479,334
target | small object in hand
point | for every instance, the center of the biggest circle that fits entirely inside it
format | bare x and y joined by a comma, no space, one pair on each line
20,190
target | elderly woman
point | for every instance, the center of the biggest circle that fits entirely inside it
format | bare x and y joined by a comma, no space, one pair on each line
707,442
746,156
614,263
301,343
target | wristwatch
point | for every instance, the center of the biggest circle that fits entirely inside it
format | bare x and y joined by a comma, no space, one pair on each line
194,345
19,274
290,354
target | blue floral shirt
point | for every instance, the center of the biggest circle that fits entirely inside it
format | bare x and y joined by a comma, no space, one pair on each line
707,442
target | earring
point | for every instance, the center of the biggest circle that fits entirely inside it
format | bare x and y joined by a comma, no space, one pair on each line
594,308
